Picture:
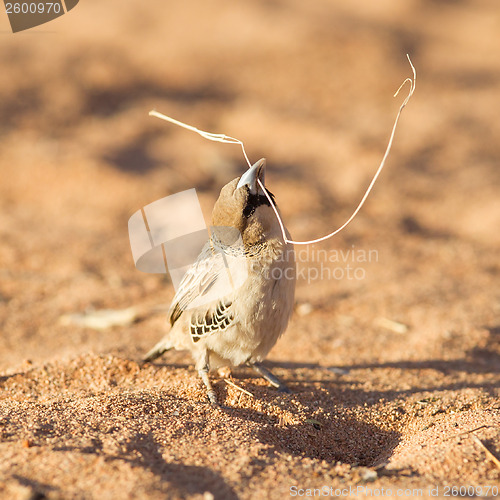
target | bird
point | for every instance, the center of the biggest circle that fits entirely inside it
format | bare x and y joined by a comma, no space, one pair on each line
237,325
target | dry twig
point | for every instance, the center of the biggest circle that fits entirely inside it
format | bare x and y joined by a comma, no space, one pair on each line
238,387
488,452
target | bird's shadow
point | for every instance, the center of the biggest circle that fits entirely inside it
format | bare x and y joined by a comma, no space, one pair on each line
334,438
342,437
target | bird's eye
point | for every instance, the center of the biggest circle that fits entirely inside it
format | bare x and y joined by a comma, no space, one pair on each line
248,210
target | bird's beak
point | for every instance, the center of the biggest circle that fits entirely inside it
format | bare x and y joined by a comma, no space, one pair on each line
252,175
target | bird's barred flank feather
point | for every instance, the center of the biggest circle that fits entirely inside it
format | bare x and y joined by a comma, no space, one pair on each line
218,320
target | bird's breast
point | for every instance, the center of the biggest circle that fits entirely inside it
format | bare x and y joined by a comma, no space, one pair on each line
262,306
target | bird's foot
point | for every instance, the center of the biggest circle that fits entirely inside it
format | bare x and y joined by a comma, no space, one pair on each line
272,379
212,397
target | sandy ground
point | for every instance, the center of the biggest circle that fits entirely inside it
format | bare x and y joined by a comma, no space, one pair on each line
391,368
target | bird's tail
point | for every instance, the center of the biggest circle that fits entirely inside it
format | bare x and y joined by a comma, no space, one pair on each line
163,346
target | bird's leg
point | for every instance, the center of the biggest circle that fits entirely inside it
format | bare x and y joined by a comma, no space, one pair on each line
203,372
272,379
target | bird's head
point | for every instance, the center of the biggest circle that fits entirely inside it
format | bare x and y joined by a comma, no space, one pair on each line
243,205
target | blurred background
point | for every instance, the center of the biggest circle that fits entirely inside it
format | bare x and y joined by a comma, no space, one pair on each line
309,86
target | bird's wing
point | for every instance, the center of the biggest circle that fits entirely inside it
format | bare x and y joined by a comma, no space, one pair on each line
197,281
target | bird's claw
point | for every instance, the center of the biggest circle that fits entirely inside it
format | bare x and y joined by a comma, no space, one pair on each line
285,389
212,397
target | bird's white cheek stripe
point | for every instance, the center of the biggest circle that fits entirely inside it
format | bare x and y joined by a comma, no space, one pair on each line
231,140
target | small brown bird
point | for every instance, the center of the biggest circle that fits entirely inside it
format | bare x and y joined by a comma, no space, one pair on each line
242,323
